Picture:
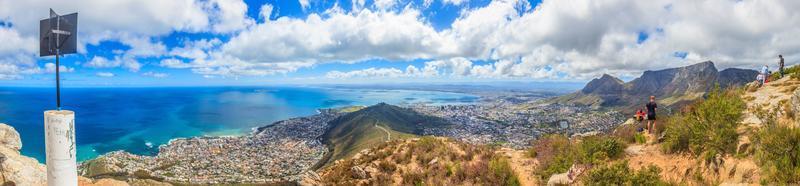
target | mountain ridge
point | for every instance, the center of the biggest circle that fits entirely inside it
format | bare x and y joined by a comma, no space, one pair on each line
671,86
355,131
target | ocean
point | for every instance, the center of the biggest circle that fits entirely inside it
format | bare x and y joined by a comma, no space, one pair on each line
138,120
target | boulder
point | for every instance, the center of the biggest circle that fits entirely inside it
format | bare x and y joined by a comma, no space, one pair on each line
98,167
16,169
634,150
9,137
570,176
558,179
358,172
310,178
433,162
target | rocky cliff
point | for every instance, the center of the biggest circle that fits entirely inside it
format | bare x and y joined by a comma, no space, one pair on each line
670,86
16,169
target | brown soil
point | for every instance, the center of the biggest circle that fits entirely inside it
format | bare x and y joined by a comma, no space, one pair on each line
686,169
522,165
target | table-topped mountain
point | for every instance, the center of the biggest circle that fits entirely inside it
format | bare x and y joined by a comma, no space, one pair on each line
670,86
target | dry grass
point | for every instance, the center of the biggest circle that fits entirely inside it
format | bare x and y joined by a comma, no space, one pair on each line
426,161
789,89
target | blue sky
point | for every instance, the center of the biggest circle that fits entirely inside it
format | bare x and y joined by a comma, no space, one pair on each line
233,42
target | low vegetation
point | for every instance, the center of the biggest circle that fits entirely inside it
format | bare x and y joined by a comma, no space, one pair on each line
627,133
778,154
426,161
371,126
599,149
789,71
706,129
620,174
556,154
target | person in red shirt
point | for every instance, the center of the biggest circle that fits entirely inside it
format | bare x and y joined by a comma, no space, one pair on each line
639,115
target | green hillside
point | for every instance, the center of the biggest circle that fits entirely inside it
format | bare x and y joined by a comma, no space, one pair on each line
368,127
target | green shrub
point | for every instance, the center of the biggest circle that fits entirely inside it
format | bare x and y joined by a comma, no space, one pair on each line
790,71
627,132
387,166
414,178
530,153
598,149
677,134
620,174
707,128
640,138
795,75
502,172
778,153
554,153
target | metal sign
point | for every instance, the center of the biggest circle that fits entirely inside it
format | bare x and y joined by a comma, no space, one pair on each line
58,36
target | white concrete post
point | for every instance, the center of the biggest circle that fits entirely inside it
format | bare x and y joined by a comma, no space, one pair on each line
59,129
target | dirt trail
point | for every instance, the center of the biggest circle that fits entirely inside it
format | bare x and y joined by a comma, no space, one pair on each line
522,165
683,168
388,134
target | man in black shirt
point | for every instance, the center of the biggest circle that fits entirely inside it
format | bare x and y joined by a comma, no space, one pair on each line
651,114
781,65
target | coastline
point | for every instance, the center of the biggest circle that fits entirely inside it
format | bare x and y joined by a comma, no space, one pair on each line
159,114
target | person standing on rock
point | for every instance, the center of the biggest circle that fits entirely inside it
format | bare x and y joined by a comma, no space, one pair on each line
781,64
765,72
651,114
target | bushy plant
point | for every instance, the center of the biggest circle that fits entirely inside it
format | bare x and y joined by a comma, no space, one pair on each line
414,178
778,153
502,172
708,128
598,149
627,132
387,166
554,153
531,153
620,174
790,71
640,138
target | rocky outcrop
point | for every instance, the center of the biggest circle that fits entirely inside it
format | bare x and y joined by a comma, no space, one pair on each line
670,86
16,169
675,81
606,84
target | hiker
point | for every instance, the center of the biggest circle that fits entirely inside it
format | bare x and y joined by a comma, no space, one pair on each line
765,72
639,115
781,65
651,114
760,79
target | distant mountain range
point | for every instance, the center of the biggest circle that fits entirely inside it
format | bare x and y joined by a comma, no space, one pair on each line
672,86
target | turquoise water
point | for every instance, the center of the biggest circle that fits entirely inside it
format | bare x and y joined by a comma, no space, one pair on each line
138,120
